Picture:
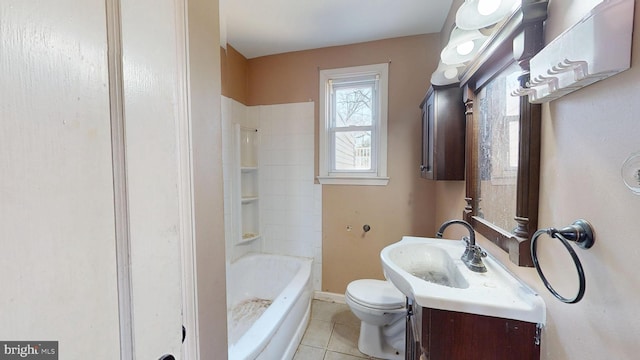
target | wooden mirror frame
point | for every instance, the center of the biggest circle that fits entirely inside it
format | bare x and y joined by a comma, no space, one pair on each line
518,38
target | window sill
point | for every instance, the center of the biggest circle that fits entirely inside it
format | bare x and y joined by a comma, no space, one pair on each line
353,180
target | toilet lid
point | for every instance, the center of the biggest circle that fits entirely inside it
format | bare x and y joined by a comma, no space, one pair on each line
377,294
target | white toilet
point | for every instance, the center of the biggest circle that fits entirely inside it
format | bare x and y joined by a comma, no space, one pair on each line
381,308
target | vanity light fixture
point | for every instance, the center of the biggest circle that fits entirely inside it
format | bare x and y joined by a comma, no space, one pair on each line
446,74
478,14
488,7
462,46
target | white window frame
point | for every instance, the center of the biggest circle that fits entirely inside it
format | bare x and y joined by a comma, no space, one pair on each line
378,136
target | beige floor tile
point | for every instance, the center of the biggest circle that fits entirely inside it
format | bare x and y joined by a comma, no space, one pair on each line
344,339
346,317
317,334
334,312
332,334
331,355
324,310
309,353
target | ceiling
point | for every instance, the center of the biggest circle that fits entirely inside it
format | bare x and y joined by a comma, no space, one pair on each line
266,27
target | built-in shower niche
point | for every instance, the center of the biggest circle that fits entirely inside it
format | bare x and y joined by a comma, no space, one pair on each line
248,142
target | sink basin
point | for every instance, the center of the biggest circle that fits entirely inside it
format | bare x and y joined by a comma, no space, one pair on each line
429,263
430,272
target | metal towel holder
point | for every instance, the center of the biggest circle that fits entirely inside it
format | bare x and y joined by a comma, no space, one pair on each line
579,232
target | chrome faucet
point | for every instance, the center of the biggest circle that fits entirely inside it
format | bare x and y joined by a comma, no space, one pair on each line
473,254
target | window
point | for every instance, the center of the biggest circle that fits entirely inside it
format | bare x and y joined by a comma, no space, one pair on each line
353,130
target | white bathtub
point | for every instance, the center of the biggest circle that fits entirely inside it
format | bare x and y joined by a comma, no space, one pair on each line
282,285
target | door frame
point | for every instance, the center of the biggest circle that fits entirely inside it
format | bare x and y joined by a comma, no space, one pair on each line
190,346
118,149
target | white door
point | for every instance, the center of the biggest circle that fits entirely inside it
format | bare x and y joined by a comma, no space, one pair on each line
62,210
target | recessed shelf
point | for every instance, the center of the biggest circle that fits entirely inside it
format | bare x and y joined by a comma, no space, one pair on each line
247,194
248,238
248,141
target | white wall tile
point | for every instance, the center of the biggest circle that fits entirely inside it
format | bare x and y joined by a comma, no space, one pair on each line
317,250
317,276
253,114
290,202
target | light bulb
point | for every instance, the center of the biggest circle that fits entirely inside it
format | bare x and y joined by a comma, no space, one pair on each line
465,48
488,7
451,73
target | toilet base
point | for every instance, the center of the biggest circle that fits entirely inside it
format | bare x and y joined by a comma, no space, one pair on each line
383,342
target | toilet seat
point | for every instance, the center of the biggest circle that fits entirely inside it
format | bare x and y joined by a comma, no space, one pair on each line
377,294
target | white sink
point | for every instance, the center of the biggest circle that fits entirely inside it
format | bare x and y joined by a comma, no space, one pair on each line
430,272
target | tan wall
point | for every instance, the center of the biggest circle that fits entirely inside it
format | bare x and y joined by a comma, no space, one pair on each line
234,69
449,194
205,84
586,136
406,205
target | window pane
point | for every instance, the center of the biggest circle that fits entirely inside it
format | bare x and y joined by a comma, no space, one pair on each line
353,105
352,150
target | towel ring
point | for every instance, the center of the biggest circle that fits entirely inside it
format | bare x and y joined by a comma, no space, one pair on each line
579,232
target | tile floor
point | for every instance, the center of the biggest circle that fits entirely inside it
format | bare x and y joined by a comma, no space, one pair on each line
332,334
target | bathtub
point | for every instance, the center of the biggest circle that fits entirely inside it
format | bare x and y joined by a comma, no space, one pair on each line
268,304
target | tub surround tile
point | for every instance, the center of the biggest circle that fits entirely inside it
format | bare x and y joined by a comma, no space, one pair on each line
317,275
299,248
290,203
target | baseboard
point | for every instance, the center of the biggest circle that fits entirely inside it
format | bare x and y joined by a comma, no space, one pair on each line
330,297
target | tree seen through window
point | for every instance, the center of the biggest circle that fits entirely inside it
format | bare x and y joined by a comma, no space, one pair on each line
353,125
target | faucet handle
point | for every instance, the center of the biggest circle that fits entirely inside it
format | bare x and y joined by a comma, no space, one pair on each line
468,250
475,262
477,250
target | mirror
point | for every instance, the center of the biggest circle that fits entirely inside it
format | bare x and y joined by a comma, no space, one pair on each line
503,134
498,115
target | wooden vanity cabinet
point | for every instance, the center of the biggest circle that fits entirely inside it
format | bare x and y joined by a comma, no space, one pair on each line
449,335
443,133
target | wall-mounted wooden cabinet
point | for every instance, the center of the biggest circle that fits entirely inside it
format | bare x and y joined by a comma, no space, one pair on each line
443,133
448,335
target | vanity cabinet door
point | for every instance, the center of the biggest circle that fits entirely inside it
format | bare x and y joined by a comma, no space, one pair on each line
413,331
448,335
443,133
